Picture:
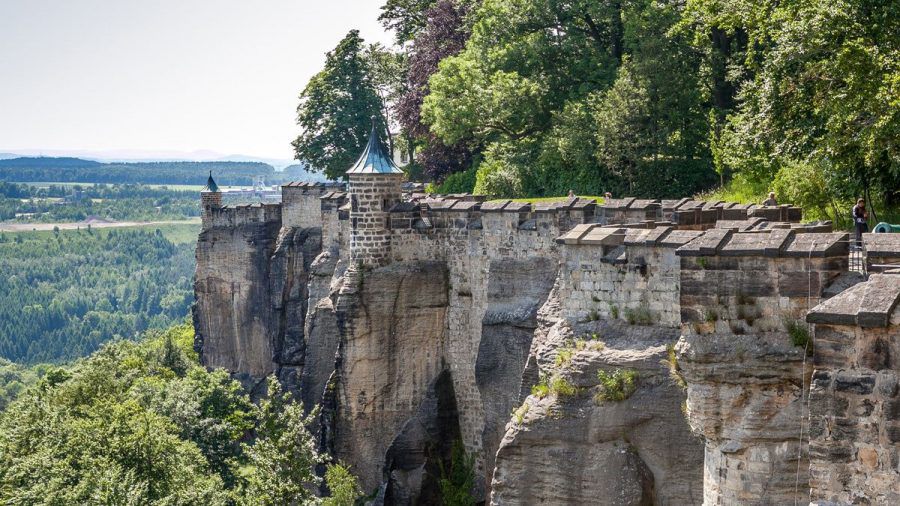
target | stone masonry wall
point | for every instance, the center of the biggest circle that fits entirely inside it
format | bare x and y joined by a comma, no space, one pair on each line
854,404
742,352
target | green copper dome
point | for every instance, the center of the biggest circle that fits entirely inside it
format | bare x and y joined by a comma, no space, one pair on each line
374,160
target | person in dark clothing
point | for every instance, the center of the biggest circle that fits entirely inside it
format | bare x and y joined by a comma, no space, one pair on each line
860,220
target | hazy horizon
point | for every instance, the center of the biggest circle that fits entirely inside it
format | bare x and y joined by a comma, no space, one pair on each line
206,79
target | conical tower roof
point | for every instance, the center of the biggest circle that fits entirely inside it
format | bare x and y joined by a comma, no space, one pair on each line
211,186
374,160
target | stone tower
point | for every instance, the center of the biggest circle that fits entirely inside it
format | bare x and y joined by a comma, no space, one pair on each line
374,187
210,199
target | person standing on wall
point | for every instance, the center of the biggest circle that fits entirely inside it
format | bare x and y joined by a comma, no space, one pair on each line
860,220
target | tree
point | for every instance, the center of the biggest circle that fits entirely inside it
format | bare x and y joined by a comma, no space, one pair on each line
405,17
443,35
533,86
344,487
284,455
336,110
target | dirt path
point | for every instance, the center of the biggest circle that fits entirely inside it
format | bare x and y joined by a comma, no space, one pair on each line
28,227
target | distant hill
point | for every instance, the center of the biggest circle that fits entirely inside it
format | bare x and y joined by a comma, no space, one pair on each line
67,169
63,162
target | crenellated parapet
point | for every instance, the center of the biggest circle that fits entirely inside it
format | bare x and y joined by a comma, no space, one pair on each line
244,214
302,202
626,274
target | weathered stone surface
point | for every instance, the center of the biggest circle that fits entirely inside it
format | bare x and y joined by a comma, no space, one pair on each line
235,319
393,325
575,450
441,322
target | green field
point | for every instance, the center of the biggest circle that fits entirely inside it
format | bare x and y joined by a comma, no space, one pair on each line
175,233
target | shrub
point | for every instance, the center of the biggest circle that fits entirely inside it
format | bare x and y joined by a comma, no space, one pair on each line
798,332
616,386
520,412
614,311
562,387
563,356
710,316
458,182
343,485
542,389
639,316
458,482
671,362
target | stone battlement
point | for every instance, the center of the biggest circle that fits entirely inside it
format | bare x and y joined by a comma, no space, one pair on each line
236,216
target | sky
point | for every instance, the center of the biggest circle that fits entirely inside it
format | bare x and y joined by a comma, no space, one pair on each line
199,78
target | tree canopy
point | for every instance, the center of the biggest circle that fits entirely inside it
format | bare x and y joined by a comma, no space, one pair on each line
337,109
145,423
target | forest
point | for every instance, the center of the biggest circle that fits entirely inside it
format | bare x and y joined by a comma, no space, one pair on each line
64,293
116,202
64,170
145,423
723,98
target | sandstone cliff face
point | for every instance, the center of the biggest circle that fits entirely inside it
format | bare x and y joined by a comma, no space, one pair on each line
746,398
252,290
393,325
235,321
569,447
472,306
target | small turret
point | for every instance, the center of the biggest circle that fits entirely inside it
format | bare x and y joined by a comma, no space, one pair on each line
210,199
374,188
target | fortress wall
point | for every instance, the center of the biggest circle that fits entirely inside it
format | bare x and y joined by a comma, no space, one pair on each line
301,206
236,216
633,277
743,300
854,404
501,266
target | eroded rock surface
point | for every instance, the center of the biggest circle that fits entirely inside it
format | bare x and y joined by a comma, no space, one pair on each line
575,449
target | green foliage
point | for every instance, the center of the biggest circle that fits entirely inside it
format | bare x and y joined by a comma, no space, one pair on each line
62,296
817,110
283,457
561,386
344,487
405,17
459,182
145,423
520,412
563,356
15,379
798,332
616,386
639,316
542,389
710,315
671,362
30,203
550,105
458,483
337,108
